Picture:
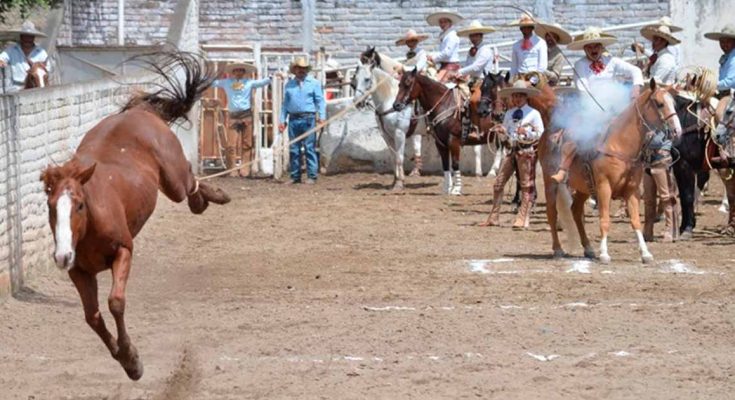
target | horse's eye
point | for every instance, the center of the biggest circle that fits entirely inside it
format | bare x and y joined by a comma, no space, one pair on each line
80,207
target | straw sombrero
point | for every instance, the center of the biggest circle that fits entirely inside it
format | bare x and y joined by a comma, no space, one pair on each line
662,31
666,21
28,28
727,32
591,35
475,27
433,18
239,65
524,20
411,35
299,62
543,28
520,86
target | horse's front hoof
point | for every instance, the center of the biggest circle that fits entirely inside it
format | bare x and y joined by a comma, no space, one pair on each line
647,258
605,259
559,253
686,235
589,253
397,187
135,372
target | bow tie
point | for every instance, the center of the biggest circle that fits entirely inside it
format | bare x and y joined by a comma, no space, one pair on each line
597,67
526,45
411,54
517,115
651,60
473,51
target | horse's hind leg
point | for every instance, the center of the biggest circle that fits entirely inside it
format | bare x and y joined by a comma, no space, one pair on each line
455,147
635,222
685,179
127,355
578,202
550,189
86,285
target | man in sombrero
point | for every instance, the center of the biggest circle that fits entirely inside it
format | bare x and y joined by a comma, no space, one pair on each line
415,57
554,35
19,55
595,72
659,182
725,86
529,54
447,58
239,91
302,109
479,61
675,49
522,126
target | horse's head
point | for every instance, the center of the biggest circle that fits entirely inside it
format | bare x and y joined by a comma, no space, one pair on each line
408,90
657,107
489,100
37,75
67,208
370,56
362,82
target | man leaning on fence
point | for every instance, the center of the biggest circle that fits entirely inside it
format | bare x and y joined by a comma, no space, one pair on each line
302,109
19,56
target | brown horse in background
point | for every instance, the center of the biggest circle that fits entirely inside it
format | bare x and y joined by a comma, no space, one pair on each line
726,123
37,75
102,197
616,168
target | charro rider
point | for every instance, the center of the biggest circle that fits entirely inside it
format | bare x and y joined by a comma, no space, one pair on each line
661,67
447,58
529,53
20,54
595,68
725,86
239,91
523,126
675,50
479,61
416,57
554,35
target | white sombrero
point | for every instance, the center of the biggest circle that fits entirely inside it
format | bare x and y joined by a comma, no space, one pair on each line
524,20
299,62
666,21
239,65
543,28
411,35
590,36
661,31
433,18
520,86
727,32
28,28
475,27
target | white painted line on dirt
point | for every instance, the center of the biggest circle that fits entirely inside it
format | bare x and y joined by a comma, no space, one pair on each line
542,357
510,307
607,272
575,305
621,353
388,308
679,267
434,358
580,266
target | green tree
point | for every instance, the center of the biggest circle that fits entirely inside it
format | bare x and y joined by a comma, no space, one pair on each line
25,6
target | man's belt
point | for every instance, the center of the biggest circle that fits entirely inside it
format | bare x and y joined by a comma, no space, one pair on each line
449,66
301,115
240,114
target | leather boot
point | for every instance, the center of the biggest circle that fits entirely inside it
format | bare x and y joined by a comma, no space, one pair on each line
524,211
494,218
417,164
670,232
230,160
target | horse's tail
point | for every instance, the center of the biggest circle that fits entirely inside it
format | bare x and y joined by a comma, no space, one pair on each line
566,220
173,99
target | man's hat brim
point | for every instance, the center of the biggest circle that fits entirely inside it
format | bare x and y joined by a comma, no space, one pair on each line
530,91
433,19
564,36
244,66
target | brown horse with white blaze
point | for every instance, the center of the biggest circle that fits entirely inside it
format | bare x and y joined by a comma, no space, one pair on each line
37,75
102,197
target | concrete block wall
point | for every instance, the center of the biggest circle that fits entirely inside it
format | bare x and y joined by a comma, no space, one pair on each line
41,127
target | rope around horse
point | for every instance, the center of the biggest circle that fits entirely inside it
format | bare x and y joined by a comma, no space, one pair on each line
301,137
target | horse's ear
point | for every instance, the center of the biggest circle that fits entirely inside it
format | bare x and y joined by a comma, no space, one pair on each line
694,80
85,174
652,84
49,177
507,76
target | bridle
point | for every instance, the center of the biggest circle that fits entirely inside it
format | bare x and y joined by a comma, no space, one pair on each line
659,111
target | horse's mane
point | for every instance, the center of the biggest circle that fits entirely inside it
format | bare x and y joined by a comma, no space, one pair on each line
172,99
389,86
388,64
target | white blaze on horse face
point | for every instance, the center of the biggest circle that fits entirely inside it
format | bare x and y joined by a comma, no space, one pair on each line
64,253
41,75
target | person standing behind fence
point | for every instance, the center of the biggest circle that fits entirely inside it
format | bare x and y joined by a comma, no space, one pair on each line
18,56
303,108
239,91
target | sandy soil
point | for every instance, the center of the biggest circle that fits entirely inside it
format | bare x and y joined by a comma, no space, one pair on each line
346,290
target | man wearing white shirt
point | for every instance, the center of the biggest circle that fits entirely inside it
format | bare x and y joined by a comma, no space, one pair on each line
530,53
523,127
595,69
19,56
415,56
447,58
675,49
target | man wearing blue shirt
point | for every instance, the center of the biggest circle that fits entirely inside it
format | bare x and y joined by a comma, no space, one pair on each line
239,91
303,108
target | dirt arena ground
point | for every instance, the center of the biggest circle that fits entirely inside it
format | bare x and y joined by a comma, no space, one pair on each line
345,290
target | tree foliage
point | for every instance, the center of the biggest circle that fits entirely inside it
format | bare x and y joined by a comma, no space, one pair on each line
24,6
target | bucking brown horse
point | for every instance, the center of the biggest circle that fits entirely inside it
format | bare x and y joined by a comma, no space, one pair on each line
102,197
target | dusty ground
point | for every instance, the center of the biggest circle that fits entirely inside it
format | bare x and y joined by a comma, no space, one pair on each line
345,290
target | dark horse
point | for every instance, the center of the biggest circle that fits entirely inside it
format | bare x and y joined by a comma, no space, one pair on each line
100,199
444,108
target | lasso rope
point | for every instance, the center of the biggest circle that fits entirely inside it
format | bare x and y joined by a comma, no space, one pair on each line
304,135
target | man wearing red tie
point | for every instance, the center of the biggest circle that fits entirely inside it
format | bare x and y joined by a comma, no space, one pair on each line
530,53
